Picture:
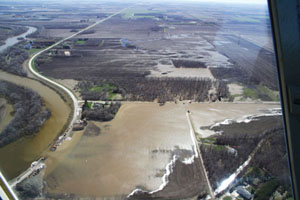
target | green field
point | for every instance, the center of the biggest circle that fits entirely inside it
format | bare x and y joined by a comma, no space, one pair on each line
80,42
33,51
245,19
105,87
209,140
89,104
219,147
108,89
261,92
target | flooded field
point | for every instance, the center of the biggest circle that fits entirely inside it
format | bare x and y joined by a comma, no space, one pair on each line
132,150
17,156
171,71
206,114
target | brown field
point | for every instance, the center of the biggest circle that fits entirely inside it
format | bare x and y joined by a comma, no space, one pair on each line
155,44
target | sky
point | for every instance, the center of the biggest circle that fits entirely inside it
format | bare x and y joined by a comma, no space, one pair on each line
214,1
264,2
229,1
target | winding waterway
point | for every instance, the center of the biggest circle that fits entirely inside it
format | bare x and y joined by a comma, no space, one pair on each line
14,40
17,156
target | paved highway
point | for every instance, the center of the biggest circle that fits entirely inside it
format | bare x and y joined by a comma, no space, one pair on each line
40,164
37,74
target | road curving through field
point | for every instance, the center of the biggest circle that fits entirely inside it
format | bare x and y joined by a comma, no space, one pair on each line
48,80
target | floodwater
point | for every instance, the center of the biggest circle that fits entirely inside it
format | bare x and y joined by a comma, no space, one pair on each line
132,150
171,71
17,156
206,114
14,40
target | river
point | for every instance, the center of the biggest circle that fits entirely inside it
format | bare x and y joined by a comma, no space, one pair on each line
14,40
17,156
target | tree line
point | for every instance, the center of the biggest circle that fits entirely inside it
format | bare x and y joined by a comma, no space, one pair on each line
12,59
220,162
188,63
101,113
29,112
150,89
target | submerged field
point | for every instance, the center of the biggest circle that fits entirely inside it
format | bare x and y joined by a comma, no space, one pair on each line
133,150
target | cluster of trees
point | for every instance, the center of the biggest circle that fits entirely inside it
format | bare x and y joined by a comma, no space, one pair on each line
219,163
188,64
232,73
272,156
64,25
222,90
12,59
41,60
99,90
101,113
150,89
155,28
257,77
30,188
244,137
29,112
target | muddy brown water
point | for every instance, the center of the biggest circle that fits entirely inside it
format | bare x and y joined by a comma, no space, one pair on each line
17,156
131,150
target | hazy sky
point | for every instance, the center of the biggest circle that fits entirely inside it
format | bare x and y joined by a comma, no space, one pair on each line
214,1
233,1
